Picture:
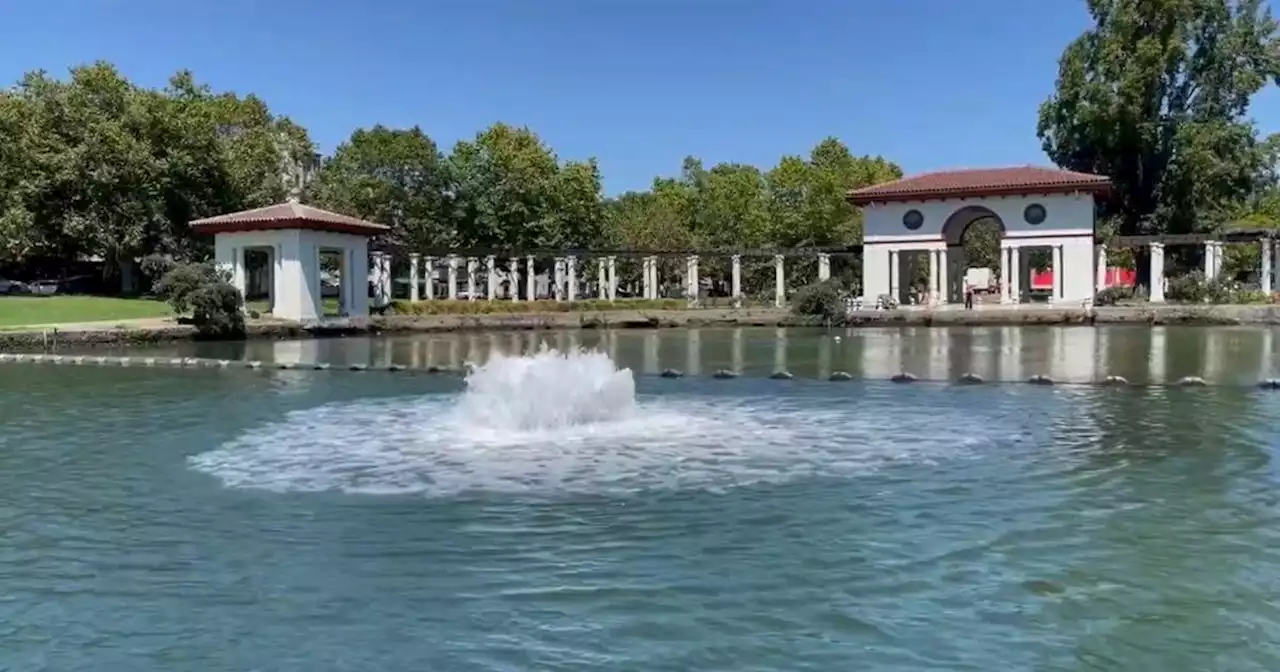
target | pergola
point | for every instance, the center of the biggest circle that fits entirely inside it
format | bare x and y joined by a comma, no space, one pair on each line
294,236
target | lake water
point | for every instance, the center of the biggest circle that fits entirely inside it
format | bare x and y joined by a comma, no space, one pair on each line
555,514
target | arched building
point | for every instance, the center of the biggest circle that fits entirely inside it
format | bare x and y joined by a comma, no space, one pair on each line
925,216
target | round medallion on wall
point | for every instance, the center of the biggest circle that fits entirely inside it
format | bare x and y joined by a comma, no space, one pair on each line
913,220
1034,214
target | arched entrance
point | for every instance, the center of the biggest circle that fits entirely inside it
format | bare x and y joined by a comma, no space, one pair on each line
972,234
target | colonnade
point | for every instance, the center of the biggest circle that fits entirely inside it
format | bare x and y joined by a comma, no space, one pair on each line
562,281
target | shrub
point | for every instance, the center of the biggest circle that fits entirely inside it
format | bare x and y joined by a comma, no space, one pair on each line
508,307
1189,288
823,299
180,281
1248,296
1113,295
203,291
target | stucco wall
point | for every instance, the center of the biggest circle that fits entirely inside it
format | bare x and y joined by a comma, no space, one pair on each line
1070,214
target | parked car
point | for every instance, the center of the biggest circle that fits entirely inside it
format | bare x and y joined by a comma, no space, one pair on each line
13,287
79,284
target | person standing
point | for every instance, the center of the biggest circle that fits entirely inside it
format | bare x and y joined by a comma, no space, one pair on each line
968,295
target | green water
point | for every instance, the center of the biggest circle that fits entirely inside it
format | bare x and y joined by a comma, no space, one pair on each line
209,520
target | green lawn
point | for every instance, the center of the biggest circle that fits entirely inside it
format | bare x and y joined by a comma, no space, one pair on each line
18,311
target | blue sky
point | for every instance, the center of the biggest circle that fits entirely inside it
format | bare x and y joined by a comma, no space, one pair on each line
930,84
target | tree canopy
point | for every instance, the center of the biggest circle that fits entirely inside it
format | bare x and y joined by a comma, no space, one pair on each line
1156,95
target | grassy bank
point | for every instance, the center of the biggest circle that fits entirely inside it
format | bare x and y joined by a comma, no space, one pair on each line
483,307
21,311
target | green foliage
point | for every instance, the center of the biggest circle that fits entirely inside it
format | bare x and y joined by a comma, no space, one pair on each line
1113,295
1156,95
178,284
395,177
821,299
447,307
215,310
1187,288
203,291
95,165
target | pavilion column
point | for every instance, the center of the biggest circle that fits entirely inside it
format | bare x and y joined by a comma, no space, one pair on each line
472,263
414,261
651,278
571,273
530,278
779,281
1100,268
1211,249
944,274
894,279
1006,273
513,284
453,277
613,278
935,258
238,274
602,280
737,281
1058,273
1157,273
824,267
429,277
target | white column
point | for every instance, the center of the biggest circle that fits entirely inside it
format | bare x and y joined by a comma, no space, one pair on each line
472,263
530,279
824,266
429,274
1058,272
513,283
1100,268
557,279
654,278
1209,271
238,276
893,275
737,280
1006,274
944,273
1157,273
613,278
571,273
453,277
1264,247
491,277
414,260
602,280
691,279
934,295
386,278
779,281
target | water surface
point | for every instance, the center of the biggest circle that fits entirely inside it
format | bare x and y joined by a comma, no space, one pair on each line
296,520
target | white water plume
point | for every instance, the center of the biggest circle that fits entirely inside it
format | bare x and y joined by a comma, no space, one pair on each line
552,424
549,390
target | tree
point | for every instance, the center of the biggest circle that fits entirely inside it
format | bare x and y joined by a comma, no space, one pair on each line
1156,96
394,177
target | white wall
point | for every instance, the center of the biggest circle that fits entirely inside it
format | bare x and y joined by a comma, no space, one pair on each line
296,256
1069,214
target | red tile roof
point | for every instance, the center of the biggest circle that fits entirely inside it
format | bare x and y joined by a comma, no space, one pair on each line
287,215
976,183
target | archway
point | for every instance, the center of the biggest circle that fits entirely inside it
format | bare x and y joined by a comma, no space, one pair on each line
972,234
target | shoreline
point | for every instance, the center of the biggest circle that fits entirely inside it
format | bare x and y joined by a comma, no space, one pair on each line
991,316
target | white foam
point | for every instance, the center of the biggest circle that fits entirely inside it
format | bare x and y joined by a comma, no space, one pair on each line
553,424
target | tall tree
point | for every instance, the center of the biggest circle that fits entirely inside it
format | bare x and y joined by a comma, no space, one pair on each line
1156,96
395,177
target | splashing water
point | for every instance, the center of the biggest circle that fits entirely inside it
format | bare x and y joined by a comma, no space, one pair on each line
556,423
550,390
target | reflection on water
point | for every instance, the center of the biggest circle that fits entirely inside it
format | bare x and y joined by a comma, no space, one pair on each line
1067,354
